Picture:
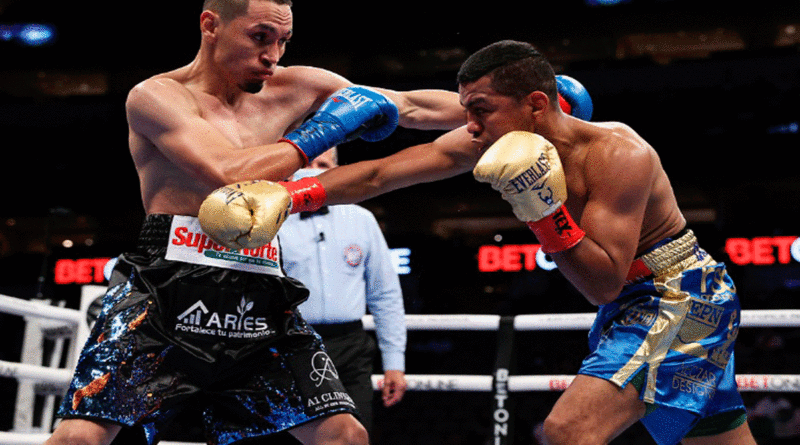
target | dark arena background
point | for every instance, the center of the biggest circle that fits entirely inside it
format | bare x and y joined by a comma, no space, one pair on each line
714,86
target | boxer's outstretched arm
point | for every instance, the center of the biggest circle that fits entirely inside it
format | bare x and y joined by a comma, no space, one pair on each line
428,109
249,214
442,110
449,155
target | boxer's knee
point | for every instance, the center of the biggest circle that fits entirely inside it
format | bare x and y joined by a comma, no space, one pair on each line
555,430
83,432
560,430
354,433
340,429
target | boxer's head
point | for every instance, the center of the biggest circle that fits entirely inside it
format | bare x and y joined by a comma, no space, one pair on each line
505,87
515,69
245,39
230,9
326,160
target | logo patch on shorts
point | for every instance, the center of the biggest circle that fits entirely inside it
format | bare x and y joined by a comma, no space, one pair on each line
319,384
707,314
695,380
199,319
322,369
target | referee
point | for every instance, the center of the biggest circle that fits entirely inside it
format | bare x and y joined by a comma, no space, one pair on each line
340,254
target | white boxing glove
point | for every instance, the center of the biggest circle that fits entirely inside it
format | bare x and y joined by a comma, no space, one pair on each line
526,169
245,215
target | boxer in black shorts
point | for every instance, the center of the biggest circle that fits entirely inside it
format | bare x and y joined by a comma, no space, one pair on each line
225,339
175,332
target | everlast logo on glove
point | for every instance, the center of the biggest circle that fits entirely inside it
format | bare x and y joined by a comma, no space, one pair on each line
530,177
536,192
231,194
355,99
561,223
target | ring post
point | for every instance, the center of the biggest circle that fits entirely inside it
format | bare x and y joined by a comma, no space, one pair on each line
502,403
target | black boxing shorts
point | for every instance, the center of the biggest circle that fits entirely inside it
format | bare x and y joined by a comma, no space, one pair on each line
174,333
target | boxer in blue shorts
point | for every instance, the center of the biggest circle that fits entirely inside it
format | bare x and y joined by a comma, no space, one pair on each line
600,203
670,334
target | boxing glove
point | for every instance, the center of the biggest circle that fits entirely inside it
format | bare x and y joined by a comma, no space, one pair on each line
349,113
247,215
525,168
573,98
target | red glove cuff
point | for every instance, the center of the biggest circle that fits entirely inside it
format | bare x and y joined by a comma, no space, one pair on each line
557,232
299,150
307,194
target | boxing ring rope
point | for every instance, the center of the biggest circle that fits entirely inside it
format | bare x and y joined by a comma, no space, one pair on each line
63,322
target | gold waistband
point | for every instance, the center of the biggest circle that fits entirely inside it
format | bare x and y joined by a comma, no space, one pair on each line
677,255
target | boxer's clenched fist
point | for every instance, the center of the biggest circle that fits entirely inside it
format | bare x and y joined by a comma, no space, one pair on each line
526,169
574,98
246,214
348,114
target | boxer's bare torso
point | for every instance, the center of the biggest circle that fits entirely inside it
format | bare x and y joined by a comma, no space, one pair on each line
618,191
584,165
186,141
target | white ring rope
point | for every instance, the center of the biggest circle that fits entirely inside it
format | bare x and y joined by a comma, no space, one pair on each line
25,308
533,322
22,371
523,383
39,438
754,318
60,377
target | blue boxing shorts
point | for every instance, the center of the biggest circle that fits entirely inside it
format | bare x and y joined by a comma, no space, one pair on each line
671,333
186,322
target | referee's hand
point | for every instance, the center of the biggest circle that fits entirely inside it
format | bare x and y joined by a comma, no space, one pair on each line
393,387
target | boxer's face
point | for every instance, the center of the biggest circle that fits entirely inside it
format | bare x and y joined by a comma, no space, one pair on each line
490,115
249,47
324,161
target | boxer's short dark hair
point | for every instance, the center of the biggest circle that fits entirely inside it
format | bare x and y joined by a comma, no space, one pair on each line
516,68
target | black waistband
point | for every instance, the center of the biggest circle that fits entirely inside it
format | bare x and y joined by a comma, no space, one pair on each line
329,330
155,232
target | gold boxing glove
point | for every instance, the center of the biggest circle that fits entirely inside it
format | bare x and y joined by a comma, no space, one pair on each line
245,215
525,168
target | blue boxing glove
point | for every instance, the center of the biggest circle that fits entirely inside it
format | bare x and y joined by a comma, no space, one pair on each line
578,101
349,113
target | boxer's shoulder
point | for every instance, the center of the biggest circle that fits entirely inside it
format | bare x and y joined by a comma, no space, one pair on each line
161,92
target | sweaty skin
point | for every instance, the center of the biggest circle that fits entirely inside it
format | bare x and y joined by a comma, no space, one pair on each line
615,182
217,120
617,192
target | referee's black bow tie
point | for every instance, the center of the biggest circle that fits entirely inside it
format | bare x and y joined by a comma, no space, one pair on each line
321,211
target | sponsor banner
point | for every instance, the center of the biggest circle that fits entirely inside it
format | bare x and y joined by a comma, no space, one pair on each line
758,251
188,243
513,258
766,382
80,271
763,250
